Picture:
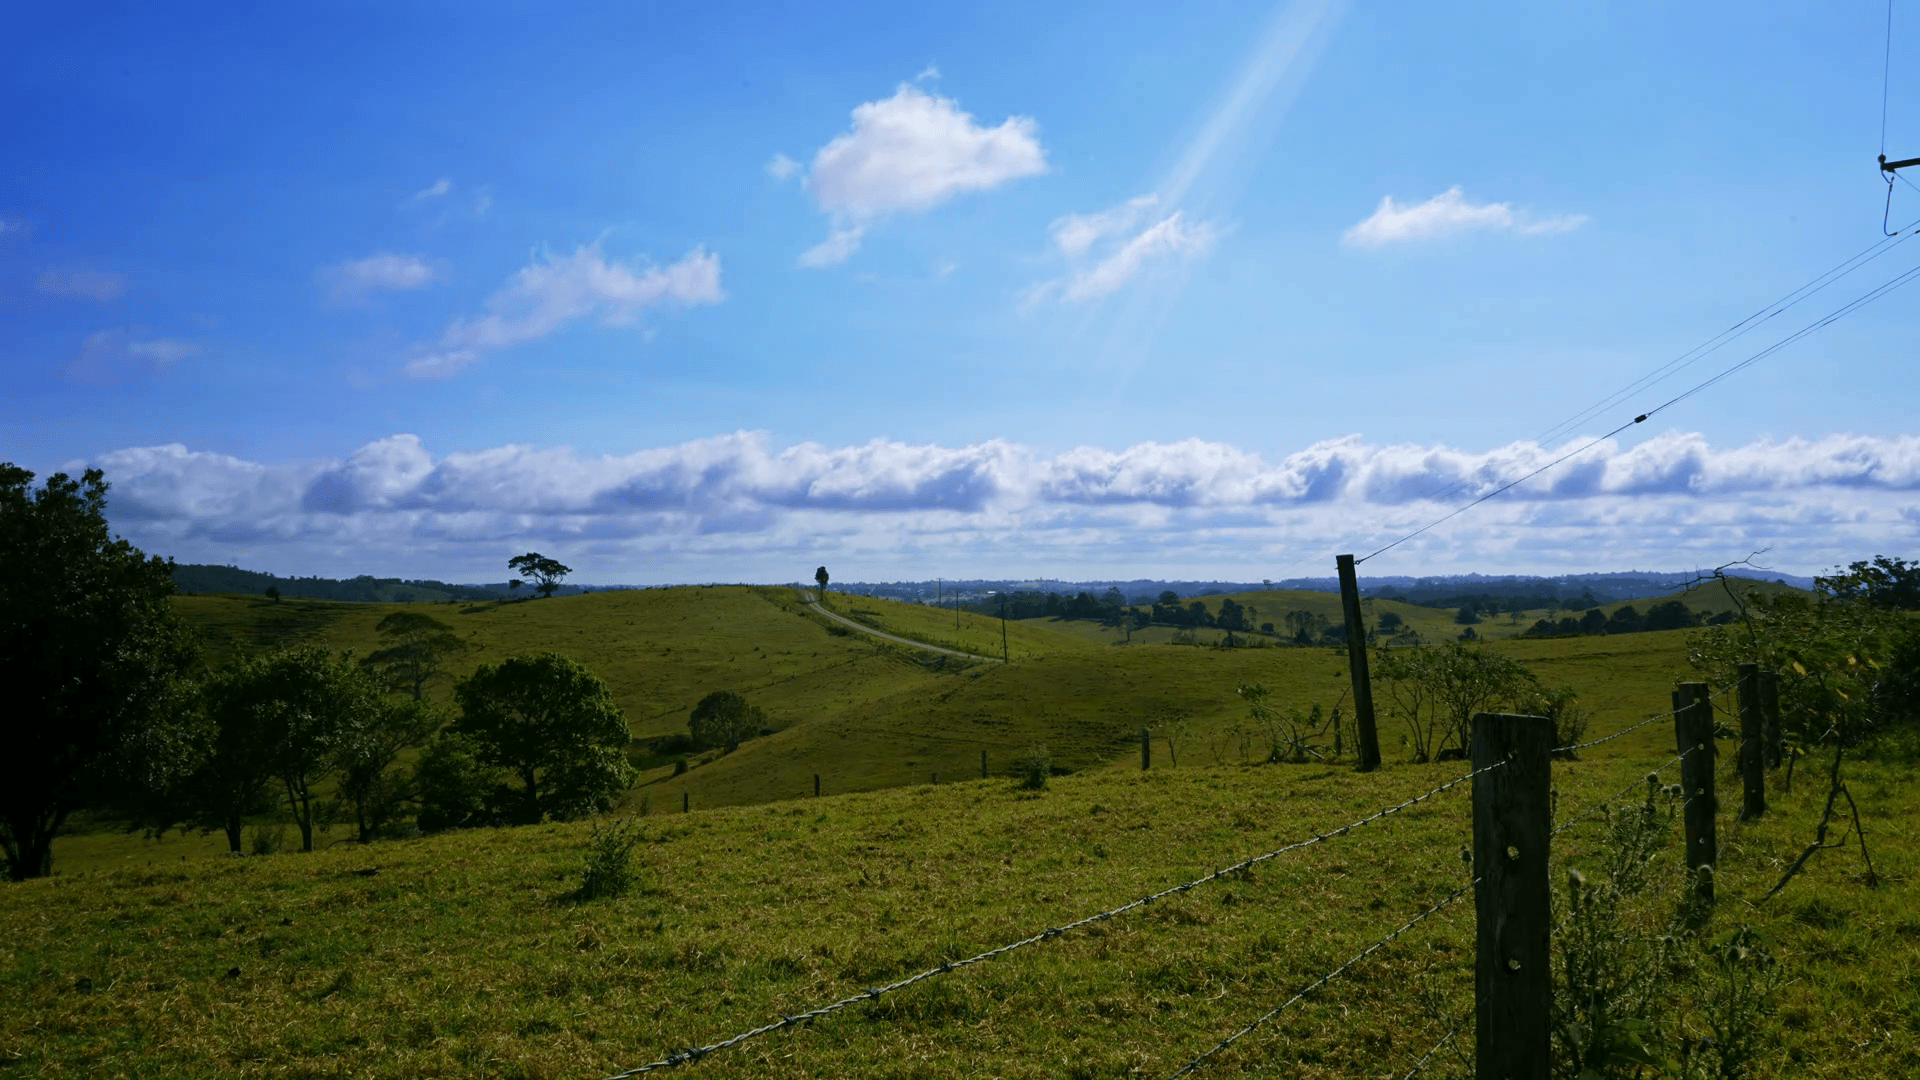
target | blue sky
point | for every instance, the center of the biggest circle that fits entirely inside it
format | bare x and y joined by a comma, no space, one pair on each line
1009,290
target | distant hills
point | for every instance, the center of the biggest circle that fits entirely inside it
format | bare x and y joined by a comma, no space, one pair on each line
1448,591
202,578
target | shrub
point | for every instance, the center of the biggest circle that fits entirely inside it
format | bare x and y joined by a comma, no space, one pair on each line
609,861
1033,768
269,839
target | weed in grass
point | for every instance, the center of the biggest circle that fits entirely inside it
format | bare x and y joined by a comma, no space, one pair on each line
609,868
1033,768
269,839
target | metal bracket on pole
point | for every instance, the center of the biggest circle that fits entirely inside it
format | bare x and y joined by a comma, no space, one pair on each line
1889,166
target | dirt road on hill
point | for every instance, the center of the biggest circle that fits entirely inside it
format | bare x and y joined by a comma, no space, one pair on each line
807,597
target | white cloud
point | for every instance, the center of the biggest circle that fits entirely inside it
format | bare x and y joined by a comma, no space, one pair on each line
1447,214
1075,233
112,356
83,284
733,507
783,167
913,151
356,279
12,228
435,190
553,292
930,72
835,249
1169,240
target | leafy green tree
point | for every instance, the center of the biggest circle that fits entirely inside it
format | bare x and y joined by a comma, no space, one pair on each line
553,725
453,784
419,647
299,713
546,573
1437,690
232,782
820,577
368,778
95,661
1884,583
273,593
724,718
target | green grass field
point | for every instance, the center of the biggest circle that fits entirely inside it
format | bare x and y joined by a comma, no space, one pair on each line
462,954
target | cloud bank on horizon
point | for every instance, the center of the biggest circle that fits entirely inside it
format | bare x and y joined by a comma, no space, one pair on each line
732,507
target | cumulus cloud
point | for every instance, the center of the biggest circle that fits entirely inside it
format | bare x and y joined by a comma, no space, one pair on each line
912,151
1448,214
82,284
357,279
555,291
433,191
112,356
783,167
1167,240
1002,509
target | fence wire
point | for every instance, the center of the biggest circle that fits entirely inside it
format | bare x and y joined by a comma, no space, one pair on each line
1571,747
1458,1023
1616,796
695,1053
1323,980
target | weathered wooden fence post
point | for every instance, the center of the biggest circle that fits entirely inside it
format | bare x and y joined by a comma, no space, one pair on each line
1146,750
1693,734
816,785
1369,748
1512,976
983,764
686,803
1753,765
1770,717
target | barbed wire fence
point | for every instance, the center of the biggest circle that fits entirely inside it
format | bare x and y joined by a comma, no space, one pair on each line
694,1053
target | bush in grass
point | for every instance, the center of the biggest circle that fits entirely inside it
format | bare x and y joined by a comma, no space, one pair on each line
1033,768
269,839
609,868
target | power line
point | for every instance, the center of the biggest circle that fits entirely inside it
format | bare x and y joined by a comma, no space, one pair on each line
1818,324
1759,318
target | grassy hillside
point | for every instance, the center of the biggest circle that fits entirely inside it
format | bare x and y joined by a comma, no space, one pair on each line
974,633
462,955
661,650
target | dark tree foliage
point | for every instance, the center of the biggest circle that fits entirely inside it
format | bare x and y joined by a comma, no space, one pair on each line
820,577
1885,583
368,779
553,725
301,715
94,658
546,573
454,784
724,718
418,646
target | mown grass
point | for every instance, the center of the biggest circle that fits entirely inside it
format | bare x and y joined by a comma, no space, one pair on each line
463,954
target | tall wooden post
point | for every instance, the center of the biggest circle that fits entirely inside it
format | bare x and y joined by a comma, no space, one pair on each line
1004,656
1512,973
1369,748
816,785
686,802
1753,765
1146,750
1770,718
983,764
1693,736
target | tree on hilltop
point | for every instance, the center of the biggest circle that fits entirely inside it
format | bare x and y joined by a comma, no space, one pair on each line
94,659
546,573
820,576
